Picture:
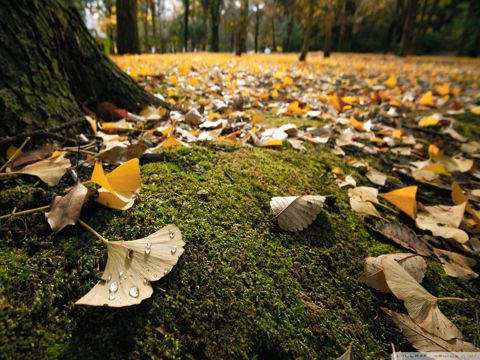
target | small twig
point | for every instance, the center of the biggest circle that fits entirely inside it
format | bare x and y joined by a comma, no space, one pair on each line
15,154
78,150
29,211
453,299
92,230
8,174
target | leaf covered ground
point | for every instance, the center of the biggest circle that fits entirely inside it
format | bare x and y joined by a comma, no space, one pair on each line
244,288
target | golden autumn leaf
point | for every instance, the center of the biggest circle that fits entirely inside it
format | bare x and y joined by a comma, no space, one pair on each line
427,121
391,81
427,100
443,90
404,199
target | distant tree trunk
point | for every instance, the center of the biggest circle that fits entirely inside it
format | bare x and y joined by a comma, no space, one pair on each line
154,20
186,4
393,28
408,27
308,31
127,32
274,39
470,26
327,44
287,43
50,64
215,6
476,46
419,28
257,27
242,29
346,27
146,40
205,7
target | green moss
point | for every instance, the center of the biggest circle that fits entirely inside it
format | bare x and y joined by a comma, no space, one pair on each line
242,289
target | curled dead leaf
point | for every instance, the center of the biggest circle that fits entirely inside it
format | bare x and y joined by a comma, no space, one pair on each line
294,213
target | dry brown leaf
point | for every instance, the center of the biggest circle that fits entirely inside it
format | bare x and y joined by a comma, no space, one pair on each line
297,145
404,199
420,304
193,117
347,355
294,213
362,199
404,236
31,157
376,177
456,265
65,210
121,154
443,221
132,265
50,171
424,341
373,274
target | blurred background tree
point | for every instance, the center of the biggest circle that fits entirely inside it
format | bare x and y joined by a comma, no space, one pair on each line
390,26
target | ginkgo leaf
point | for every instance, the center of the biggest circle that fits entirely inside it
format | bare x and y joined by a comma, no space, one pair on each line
443,90
362,199
420,304
391,81
373,273
404,236
443,221
108,199
30,157
132,265
347,355
121,154
404,199
171,141
50,171
427,121
427,99
193,117
65,210
376,177
456,265
124,181
294,213
425,341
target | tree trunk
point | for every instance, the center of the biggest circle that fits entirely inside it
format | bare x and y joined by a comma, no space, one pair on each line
127,32
154,25
50,63
346,28
242,28
274,38
257,27
186,4
146,40
470,26
392,30
327,44
205,7
405,44
215,18
308,31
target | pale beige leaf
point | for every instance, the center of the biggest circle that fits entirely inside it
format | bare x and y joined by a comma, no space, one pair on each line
132,265
424,341
373,275
65,210
50,171
376,177
347,355
361,199
420,304
294,213
456,265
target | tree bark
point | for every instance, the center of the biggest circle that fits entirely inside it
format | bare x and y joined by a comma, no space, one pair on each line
127,32
50,64
215,18
146,39
405,44
257,27
186,4
327,44
394,25
308,31
242,28
205,7
274,38
470,26
346,27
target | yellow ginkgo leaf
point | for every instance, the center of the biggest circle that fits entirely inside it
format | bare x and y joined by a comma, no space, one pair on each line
173,80
437,169
124,181
271,143
427,99
171,141
357,125
475,110
93,124
391,81
427,121
458,197
335,101
404,199
443,90
112,201
287,81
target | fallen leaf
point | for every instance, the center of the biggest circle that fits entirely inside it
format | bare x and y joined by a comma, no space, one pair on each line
347,355
132,265
65,210
443,221
391,81
420,304
456,265
427,100
404,199
193,117
31,157
362,199
425,341
294,213
431,120
373,273
376,177
404,236
121,154
50,171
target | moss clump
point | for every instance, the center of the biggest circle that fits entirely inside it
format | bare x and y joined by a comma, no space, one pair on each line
243,287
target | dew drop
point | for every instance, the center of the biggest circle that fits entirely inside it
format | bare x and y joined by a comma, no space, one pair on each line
133,292
147,251
165,272
148,248
113,287
109,277
130,253
173,250
145,281
124,277
120,274
111,297
172,235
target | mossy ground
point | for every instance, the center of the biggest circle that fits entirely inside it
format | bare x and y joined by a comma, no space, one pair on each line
242,289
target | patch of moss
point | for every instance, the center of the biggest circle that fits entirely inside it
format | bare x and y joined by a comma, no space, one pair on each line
242,289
